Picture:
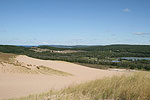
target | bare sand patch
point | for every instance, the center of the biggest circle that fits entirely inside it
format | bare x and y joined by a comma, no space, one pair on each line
23,84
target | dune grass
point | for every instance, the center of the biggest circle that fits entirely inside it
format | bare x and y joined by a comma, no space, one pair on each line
8,58
5,57
132,87
50,71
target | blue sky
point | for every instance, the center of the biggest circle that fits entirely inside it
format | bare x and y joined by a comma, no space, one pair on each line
74,22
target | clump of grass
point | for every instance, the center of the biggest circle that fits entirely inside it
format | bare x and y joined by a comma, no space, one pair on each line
50,71
9,58
95,66
132,87
5,57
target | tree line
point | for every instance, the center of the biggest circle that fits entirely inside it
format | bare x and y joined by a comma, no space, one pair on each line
98,55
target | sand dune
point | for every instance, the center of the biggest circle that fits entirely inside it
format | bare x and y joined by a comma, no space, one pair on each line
23,84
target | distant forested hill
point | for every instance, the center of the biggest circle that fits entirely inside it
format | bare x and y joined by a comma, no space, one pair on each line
145,49
139,49
99,55
13,49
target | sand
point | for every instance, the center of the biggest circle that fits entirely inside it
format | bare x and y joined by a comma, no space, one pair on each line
14,85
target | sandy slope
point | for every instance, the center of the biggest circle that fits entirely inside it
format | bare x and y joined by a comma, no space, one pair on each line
21,84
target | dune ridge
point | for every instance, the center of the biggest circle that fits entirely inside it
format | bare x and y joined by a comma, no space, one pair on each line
23,84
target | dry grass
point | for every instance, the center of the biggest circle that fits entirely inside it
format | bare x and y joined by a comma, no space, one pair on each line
133,87
50,71
95,66
10,65
5,57
8,59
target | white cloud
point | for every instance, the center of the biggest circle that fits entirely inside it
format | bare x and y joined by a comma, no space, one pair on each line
126,10
141,33
44,43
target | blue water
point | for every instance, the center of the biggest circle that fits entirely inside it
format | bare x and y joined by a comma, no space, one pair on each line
115,61
27,45
135,58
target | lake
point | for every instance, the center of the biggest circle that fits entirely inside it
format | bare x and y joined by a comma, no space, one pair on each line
135,58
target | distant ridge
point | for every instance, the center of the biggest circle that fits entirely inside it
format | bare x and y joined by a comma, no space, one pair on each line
78,46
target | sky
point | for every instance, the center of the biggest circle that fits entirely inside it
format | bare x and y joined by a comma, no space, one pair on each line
74,22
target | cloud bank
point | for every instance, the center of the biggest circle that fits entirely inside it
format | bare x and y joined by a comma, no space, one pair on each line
141,33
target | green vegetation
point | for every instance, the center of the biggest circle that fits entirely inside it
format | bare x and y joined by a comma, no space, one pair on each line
13,49
131,87
97,55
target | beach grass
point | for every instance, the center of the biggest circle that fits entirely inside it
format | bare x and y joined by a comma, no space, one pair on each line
50,71
6,56
131,87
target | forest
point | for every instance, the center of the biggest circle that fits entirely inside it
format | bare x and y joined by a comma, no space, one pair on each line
90,55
